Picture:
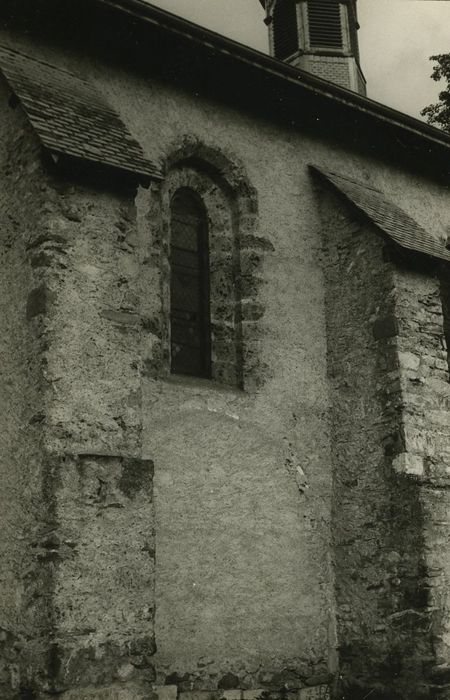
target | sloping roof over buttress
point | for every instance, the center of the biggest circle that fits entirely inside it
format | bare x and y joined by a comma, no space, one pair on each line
386,215
70,116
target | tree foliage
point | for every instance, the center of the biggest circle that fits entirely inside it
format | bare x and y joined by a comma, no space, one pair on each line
438,114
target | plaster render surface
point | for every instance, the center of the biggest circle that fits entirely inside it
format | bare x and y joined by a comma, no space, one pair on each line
229,516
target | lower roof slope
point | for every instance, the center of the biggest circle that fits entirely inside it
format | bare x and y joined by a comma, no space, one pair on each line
386,215
69,115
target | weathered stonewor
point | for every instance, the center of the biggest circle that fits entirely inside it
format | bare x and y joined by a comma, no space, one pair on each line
424,465
102,488
389,384
83,534
24,599
224,455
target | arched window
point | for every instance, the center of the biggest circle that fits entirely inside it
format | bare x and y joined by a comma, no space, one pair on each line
189,287
285,29
325,27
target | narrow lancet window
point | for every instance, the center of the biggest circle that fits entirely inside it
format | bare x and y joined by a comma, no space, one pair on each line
285,29
189,287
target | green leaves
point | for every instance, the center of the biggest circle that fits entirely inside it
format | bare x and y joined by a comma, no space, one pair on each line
438,114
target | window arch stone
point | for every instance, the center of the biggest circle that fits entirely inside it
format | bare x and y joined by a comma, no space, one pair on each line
224,272
236,254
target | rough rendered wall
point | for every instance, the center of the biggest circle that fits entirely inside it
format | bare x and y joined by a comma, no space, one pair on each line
358,286
102,488
236,494
24,619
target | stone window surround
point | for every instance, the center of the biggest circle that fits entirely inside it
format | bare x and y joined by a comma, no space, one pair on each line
226,352
190,262
236,257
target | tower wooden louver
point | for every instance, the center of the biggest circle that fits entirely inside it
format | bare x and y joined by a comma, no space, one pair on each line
320,36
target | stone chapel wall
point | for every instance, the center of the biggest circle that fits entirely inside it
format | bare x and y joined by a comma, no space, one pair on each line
380,550
76,601
239,533
232,480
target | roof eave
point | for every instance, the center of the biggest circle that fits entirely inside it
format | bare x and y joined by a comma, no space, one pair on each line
146,12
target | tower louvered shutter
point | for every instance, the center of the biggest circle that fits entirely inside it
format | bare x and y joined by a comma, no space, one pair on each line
325,28
353,26
285,28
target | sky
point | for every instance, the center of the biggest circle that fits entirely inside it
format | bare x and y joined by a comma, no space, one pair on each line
397,37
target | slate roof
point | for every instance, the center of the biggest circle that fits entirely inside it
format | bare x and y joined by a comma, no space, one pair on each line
386,215
70,116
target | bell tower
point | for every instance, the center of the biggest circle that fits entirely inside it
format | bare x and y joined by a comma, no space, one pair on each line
320,36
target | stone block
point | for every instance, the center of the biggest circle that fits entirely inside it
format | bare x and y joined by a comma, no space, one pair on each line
318,692
110,693
229,681
231,694
166,692
409,361
407,463
253,694
439,387
121,317
39,301
201,695
441,673
385,327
